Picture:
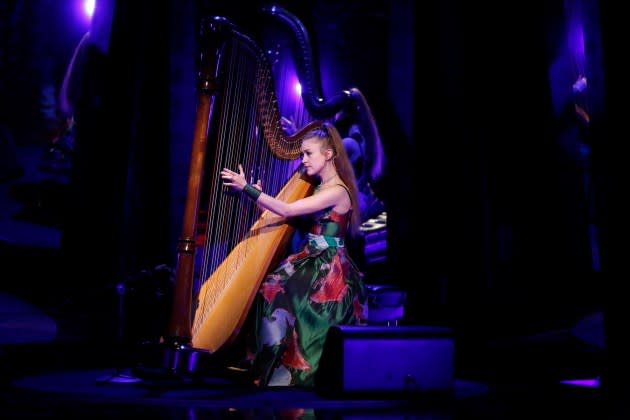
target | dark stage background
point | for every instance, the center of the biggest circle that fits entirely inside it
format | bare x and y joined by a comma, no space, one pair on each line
503,201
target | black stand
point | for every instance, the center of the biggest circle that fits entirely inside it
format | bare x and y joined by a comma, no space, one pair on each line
119,376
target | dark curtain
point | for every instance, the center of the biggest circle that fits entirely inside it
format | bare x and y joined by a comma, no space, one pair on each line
118,216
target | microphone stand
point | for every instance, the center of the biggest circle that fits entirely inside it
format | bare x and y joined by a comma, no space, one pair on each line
120,376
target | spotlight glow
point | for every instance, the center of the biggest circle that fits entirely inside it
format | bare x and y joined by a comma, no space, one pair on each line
88,8
587,382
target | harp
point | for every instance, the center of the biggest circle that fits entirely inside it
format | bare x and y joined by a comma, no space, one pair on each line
227,244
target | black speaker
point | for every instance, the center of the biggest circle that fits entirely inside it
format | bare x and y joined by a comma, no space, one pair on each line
386,359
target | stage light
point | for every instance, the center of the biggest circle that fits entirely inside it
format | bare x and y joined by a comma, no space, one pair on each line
586,382
88,7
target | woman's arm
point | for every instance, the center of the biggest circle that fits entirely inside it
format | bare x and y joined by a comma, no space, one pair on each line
329,197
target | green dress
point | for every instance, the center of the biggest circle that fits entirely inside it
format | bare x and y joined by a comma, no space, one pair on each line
311,290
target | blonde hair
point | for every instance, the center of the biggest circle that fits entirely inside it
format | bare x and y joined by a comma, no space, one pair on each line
331,139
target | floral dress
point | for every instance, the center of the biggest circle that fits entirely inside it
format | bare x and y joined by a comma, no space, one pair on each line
311,290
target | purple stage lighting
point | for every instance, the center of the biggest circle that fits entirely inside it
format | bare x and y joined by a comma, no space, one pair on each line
82,12
586,382
88,8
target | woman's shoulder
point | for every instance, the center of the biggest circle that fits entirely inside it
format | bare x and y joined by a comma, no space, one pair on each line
337,190
332,187
345,187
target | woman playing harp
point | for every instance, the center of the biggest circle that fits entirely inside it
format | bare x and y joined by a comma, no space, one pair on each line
227,246
317,287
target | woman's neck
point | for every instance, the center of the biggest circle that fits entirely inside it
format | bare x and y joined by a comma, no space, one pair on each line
325,180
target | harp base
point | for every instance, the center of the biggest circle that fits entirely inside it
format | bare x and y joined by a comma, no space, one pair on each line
178,363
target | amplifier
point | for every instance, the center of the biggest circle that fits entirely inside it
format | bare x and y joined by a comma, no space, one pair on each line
386,359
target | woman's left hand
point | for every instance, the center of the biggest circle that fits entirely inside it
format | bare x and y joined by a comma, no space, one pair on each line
235,180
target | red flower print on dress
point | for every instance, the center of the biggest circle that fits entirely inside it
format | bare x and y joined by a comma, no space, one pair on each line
333,287
298,255
271,287
292,356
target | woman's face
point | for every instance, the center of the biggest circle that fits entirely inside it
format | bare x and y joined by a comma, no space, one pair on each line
313,157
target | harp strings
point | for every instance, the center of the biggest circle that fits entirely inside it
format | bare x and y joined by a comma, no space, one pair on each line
239,139
228,220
